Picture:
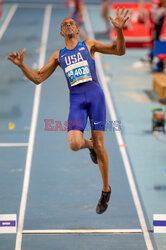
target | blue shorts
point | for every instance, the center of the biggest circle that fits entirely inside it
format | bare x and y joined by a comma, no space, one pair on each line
90,103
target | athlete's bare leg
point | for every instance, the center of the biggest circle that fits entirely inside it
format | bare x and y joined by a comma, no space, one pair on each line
102,157
77,141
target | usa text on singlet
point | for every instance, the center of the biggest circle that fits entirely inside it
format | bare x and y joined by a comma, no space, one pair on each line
78,65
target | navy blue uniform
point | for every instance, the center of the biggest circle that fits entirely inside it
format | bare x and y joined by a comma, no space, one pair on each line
86,95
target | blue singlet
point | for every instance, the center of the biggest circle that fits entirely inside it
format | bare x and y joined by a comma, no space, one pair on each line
86,95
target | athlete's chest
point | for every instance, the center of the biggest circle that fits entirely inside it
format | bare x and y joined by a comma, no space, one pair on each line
76,66
72,57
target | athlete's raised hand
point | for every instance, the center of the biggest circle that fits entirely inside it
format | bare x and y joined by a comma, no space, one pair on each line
16,57
120,19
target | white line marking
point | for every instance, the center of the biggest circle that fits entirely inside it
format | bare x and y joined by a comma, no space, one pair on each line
6,223
44,40
120,140
13,144
7,20
83,231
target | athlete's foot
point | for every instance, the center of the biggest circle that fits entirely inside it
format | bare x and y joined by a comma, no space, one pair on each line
93,154
103,202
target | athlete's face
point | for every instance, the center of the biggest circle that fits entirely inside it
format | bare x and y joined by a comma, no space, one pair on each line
69,28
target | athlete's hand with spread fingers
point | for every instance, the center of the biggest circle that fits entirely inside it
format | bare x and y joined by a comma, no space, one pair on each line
17,58
120,19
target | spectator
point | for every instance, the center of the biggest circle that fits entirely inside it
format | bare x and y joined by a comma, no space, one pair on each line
0,9
78,15
157,14
105,8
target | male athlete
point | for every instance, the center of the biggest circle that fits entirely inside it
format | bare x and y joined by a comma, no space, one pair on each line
86,95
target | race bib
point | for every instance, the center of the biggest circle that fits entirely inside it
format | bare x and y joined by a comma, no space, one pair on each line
78,73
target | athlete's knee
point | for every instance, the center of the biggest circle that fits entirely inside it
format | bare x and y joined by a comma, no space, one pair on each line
75,145
99,147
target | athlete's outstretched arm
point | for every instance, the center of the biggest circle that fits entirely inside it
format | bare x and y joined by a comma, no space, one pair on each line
35,76
118,48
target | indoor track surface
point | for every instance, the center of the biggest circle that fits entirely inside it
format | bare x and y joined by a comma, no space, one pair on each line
53,189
